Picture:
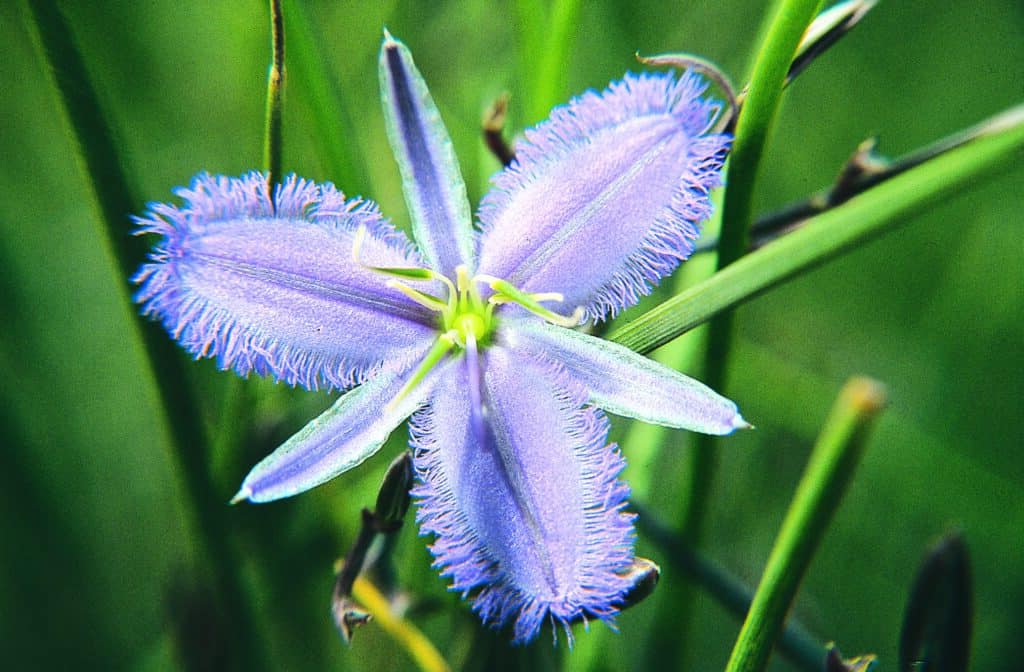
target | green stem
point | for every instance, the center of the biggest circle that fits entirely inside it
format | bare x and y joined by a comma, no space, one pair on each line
755,122
834,232
829,471
272,140
752,130
113,199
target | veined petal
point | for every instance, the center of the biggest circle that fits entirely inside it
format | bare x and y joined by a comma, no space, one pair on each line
433,185
342,437
271,286
531,521
626,383
605,196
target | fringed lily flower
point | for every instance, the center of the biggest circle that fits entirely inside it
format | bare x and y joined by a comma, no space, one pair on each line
470,330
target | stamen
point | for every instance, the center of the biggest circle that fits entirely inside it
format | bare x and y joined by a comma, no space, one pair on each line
442,345
357,244
429,301
467,287
508,293
410,273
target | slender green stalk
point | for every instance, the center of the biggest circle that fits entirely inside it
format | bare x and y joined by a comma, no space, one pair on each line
752,130
272,139
755,122
829,471
113,198
860,219
864,170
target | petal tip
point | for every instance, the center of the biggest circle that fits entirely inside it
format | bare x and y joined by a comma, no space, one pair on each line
243,494
739,423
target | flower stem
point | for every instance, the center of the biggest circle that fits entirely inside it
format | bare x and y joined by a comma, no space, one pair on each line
829,471
113,198
272,140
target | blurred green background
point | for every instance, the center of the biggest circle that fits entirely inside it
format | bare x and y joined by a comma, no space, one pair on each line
100,568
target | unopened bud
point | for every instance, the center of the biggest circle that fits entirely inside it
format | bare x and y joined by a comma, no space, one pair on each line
393,496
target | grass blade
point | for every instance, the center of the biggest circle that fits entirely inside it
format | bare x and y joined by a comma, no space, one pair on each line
114,200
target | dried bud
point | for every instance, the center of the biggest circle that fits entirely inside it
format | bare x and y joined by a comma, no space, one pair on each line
644,574
348,616
937,623
834,662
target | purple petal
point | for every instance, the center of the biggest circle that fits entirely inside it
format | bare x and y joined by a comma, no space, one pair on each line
531,521
271,286
342,437
434,190
605,197
626,383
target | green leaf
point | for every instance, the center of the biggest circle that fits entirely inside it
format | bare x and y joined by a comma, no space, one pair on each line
332,113
113,198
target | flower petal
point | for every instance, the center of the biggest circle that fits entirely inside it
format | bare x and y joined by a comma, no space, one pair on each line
605,197
271,286
626,383
433,185
531,521
342,437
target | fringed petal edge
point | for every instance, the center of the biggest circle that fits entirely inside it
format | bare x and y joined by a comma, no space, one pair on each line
608,530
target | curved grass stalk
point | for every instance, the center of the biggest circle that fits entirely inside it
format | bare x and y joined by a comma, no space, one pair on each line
405,634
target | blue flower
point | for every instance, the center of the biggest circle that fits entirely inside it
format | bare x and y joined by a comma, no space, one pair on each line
469,330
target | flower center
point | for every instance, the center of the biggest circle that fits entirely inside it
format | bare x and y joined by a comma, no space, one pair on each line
466,320
466,317
471,325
